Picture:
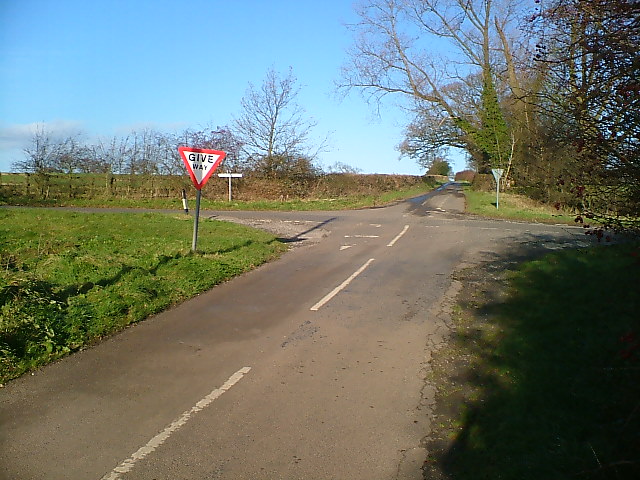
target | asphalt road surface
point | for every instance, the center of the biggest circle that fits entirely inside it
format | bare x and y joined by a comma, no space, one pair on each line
310,367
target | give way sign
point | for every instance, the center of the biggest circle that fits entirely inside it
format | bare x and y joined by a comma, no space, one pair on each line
201,163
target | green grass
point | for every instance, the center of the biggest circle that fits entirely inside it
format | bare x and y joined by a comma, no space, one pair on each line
68,279
514,207
551,372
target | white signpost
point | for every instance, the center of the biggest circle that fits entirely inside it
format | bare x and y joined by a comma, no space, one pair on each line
497,174
200,163
230,176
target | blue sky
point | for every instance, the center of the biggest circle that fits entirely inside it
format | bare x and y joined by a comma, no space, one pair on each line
107,67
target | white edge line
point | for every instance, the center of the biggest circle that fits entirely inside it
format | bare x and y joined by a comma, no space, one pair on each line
160,438
392,242
336,290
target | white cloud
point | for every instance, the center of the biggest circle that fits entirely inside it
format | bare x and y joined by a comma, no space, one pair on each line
19,135
15,136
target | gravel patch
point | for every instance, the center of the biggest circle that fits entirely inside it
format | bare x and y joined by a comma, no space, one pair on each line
297,233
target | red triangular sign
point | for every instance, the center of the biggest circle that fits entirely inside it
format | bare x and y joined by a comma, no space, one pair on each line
201,163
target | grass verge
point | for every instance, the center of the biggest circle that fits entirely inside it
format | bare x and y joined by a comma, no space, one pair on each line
541,376
67,279
515,207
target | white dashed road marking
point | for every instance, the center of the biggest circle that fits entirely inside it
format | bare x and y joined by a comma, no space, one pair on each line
337,290
160,438
392,242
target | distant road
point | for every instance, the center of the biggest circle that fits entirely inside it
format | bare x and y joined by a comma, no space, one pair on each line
310,367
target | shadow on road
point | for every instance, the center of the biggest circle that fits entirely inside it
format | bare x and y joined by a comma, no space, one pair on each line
301,236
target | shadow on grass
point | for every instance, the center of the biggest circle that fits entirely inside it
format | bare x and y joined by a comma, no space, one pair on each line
42,320
51,291
550,370
37,311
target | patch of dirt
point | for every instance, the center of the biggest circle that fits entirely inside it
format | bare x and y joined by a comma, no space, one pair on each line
296,233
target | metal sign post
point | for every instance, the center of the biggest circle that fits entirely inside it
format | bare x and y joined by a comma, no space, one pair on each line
200,163
497,174
230,176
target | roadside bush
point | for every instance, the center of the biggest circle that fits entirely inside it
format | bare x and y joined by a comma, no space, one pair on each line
18,189
465,176
483,182
32,326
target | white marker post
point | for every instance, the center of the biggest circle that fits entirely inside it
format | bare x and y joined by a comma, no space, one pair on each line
185,206
200,163
497,174
230,176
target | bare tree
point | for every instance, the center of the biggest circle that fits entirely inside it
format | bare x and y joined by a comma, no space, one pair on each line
47,155
70,155
217,138
143,153
458,95
111,154
272,126
93,160
343,168
41,155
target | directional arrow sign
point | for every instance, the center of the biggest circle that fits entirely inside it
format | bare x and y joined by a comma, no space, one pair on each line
201,163
497,174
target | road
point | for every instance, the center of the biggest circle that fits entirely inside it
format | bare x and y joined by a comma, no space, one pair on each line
310,367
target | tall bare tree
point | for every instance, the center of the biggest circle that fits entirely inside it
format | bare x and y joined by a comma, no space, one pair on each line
272,126
457,95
